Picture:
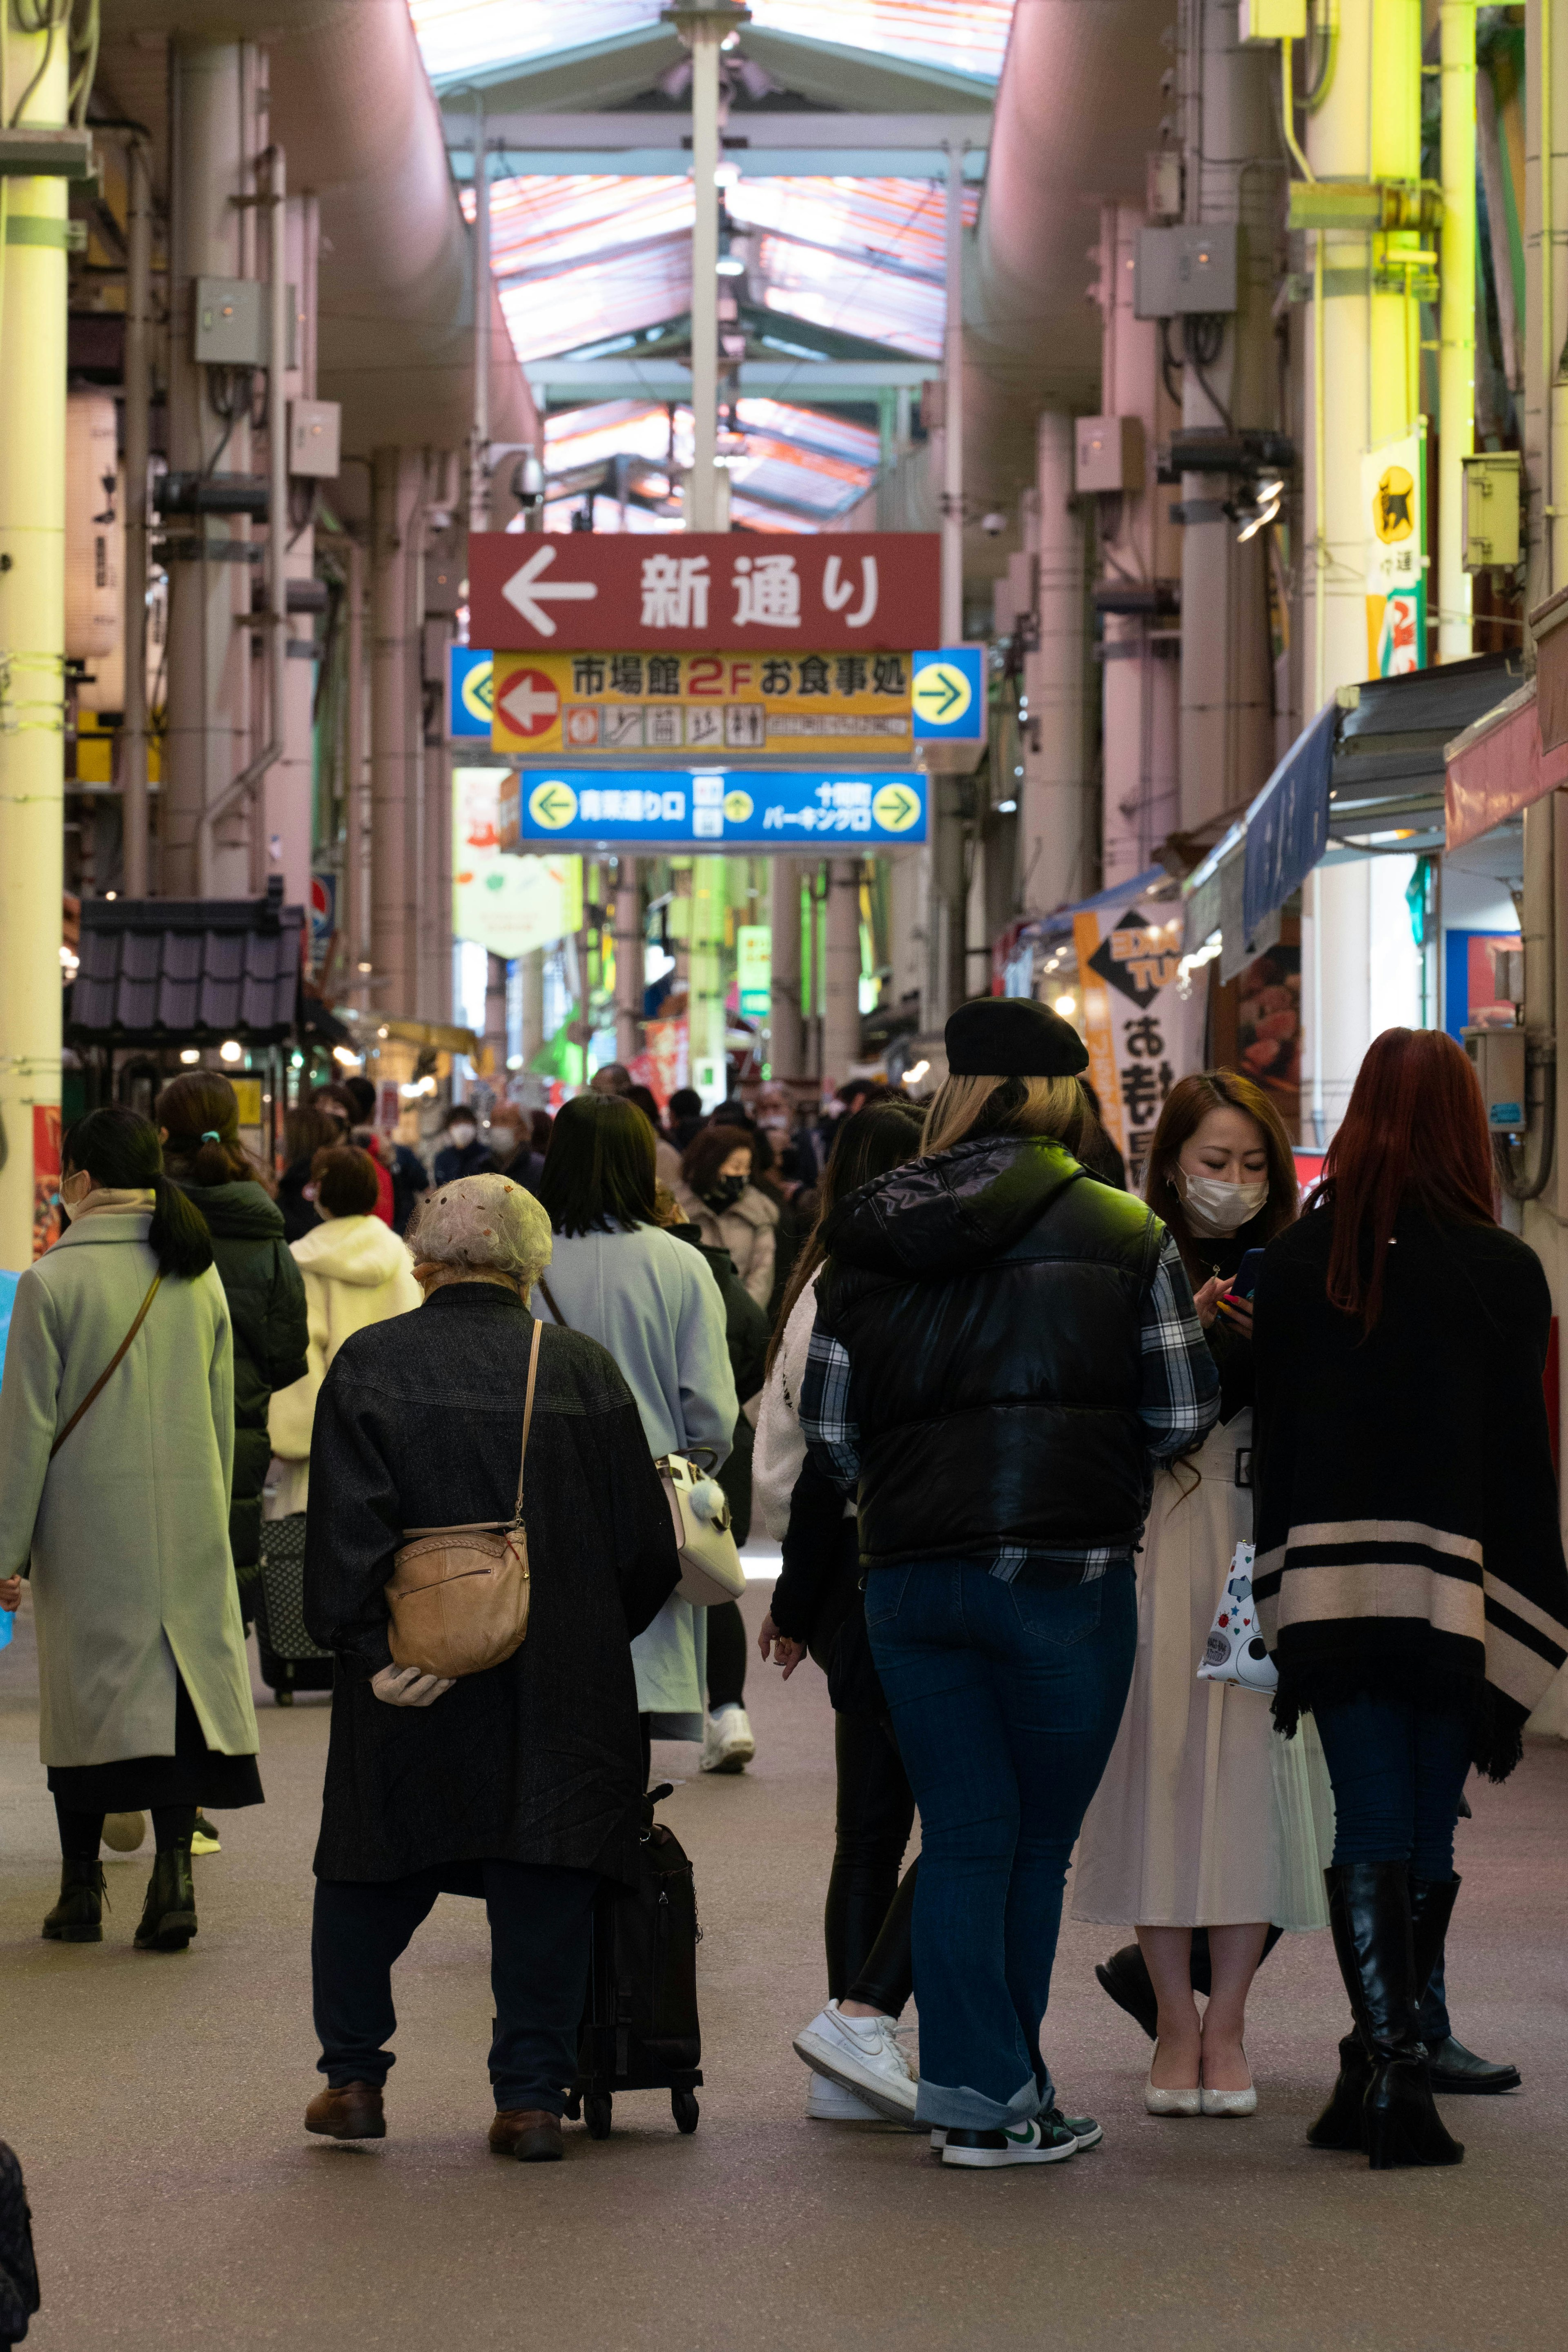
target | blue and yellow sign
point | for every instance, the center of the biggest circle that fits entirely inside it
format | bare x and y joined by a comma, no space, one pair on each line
947,695
469,691
755,809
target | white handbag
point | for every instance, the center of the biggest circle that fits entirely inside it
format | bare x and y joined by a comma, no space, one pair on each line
1235,1652
711,1570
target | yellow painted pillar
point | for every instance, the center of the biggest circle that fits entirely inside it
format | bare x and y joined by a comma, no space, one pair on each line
1456,323
710,1071
32,650
1395,340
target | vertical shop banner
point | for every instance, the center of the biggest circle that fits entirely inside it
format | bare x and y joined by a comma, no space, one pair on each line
753,970
1393,500
1142,1033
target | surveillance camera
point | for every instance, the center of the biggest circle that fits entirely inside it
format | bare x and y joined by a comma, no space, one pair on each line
993,524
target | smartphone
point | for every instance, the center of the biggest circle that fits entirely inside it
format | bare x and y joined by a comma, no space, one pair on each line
1245,1281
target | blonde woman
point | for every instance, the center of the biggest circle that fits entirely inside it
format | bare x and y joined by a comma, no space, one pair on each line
1003,1349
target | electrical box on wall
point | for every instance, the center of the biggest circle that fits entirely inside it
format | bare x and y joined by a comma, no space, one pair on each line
1186,269
1491,509
1272,20
1108,453
1163,187
230,322
315,431
1499,1055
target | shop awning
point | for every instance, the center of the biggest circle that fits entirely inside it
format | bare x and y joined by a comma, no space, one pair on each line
1497,767
1058,923
1288,823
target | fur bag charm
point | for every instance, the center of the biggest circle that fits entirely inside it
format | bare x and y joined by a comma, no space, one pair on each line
1235,1652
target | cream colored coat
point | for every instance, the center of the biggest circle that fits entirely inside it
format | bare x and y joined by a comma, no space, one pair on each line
126,1530
357,1272
748,1229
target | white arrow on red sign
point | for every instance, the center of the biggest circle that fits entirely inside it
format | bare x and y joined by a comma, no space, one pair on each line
527,589
530,701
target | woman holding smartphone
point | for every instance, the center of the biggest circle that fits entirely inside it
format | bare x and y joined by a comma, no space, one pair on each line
1205,1818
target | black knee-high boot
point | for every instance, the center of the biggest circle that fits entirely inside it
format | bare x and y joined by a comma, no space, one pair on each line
1453,2068
1370,1909
1342,2124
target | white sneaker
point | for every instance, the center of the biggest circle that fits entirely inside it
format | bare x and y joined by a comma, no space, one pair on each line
861,2054
727,1742
828,2102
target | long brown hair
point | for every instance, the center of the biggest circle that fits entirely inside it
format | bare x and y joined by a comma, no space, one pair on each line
1414,1130
868,1144
200,1114
1187,1106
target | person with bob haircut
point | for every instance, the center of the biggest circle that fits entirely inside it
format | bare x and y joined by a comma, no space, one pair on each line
116,1434
1410,1578
520,1783
1203,1833
1004,1348
730,1209
653,1302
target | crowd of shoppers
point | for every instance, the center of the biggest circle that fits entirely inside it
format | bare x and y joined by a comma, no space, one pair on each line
1015,1432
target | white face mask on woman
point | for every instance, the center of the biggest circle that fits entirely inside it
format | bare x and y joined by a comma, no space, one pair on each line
1214,1207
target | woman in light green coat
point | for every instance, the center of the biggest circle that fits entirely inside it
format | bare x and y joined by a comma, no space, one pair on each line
122,1523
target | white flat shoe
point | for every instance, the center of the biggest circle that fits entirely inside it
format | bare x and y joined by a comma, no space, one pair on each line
1231,2103
1170,2103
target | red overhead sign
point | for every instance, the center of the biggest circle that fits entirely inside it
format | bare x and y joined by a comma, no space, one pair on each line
687,592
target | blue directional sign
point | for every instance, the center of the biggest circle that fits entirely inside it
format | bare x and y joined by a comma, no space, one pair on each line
469,691
948,695
728,808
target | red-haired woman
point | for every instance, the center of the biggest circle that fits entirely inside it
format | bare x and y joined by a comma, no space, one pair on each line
1202,1831
1410,1574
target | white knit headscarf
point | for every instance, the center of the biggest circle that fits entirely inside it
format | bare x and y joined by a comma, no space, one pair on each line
486,1223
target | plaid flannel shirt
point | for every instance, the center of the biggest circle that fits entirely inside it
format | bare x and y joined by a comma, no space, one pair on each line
1178,1404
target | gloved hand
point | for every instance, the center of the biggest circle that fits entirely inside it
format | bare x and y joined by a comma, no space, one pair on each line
407,1687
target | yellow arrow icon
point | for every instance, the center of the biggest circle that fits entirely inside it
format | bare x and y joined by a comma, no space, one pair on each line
476,692
941,693
552,804
895,808
738,806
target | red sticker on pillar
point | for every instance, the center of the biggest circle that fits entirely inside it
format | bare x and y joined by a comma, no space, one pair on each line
1143,1025
47,1221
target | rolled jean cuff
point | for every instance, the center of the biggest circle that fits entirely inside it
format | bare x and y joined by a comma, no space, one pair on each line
341,2072
958,2108
510,2097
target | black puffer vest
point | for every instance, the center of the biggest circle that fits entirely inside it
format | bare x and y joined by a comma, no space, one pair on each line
990,1302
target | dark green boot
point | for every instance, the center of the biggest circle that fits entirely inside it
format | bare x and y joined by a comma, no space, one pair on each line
78,1917
169,1914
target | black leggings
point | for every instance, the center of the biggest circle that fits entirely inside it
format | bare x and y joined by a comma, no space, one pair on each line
81,1834
726,1656
866,1921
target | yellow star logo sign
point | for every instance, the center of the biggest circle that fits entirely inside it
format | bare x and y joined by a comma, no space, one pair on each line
1394,505
941,693
478,692
738,806
552,804
896,807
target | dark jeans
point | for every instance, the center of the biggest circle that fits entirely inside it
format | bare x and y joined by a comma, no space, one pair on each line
539,1974
1398,1772
876,1814
1006,1701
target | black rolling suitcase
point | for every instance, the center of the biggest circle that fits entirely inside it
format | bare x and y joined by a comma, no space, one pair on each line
639,2030
290,1659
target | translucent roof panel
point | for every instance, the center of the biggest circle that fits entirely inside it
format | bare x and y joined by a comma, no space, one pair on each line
464,37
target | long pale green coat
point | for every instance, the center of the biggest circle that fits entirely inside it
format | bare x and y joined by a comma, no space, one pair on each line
127,1530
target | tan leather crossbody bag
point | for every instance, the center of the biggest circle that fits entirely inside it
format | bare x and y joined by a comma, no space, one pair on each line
458,1596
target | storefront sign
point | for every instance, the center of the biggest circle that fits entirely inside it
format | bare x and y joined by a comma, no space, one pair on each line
693,592
756,809
468,692
847,705
1393,499
1143,1034
949,696
753,970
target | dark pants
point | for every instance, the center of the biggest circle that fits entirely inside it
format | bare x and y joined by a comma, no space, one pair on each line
876,1814
726,1656
1005,1700
1398,1772
82,1833
539,1974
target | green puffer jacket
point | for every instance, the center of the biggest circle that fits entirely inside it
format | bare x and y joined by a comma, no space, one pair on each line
266,1295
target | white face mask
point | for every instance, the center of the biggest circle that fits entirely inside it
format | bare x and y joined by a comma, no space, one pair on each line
1213,1207
462,1134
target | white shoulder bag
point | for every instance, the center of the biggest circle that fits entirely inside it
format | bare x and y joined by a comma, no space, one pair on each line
1235,1652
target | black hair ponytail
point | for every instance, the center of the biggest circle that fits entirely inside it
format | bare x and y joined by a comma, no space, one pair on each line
120,1149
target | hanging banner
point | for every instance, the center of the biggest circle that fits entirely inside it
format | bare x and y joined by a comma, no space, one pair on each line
754,809
1142,1033
854,705
1393,500
753,970
509,905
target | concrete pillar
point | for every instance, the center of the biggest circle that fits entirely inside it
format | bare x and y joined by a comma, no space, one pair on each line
495,1019
480,439
841,972
628,935
1056,847
360,848
1227,715
1457,322
709,1069
787,1042
214,130
435,889
532,1004
703,31
137,402
32,631
952,404
288,786
396,748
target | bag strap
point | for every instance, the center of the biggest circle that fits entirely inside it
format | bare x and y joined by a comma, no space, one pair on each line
528,1415
550,1301
108,1371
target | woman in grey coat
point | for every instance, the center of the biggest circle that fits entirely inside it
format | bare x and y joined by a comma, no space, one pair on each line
122,1523
520,1783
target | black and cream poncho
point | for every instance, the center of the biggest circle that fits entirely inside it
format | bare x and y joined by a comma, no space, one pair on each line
1408,1542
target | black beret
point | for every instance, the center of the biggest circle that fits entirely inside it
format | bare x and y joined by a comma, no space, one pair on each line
1012,1037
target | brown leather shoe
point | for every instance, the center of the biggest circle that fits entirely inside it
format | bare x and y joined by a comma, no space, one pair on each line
352,2112
531,2134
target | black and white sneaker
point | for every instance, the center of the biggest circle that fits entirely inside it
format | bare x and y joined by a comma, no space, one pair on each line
1032,2142
1086,2132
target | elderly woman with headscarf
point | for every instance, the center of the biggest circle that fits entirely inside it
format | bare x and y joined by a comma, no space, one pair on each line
521,1783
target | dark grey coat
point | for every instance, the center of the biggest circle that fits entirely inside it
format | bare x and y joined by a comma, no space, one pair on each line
419,1424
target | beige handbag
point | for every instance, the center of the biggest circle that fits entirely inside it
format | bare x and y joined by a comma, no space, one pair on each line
458,1596
710,1570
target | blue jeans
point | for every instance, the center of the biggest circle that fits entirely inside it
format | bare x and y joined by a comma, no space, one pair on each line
1398,1773
1005,1699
